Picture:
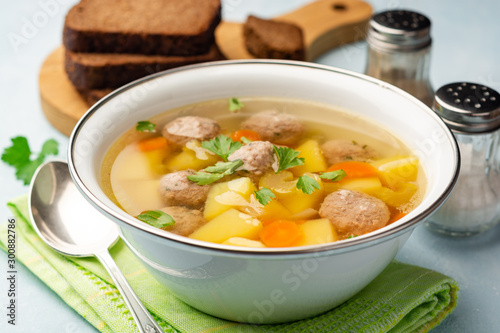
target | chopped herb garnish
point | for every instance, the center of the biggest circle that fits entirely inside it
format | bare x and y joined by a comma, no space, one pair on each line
222,146
364,146
227,168
264,195
354,142
335,175
19,156
205,178
287,158
352,236
216,172
156,218
245,140
235,104
145,126
307,184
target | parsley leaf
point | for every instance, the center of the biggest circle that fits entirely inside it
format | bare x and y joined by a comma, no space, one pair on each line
222,146
235,104
145,126
19,153
264,195
227,168
287,158
156,218
19,156
216,172
205,178
245,140
307,184
335,175
50,147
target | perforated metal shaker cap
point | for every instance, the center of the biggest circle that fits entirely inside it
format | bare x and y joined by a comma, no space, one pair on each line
399,30
468,107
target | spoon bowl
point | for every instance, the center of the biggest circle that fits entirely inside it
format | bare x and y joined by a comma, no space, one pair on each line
69,224
63,218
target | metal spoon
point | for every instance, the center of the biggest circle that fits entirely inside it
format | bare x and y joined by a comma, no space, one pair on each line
70,225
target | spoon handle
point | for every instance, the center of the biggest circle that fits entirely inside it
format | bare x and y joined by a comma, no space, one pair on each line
143,319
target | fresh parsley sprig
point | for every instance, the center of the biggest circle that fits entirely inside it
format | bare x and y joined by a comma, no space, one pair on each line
145,126
287,158
222,146
235,104
335,175
307,184
226,168
213,173
264,195
205,178
19,156
156,218
245,140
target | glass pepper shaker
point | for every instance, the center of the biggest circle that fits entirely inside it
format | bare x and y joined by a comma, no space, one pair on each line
472,112
399,45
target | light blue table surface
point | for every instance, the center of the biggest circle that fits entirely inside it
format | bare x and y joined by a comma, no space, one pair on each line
466,47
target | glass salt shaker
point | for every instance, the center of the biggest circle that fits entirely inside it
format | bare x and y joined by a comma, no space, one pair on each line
472,112
399,45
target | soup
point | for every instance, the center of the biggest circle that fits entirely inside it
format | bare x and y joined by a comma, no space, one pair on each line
262,172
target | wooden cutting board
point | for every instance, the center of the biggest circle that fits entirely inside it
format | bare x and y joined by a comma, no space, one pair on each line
326,24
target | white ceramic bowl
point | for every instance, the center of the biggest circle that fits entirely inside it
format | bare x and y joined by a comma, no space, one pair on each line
264,285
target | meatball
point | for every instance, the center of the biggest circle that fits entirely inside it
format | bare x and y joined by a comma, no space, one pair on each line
340,150
354,213
257,157
186,220
181,130
176,190
276,127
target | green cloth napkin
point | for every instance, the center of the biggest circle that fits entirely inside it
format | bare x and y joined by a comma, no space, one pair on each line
403,298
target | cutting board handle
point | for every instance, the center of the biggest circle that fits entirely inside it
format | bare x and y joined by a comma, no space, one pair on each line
326,24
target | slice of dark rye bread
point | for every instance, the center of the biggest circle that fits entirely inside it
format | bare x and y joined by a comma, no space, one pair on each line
110,70
273,39
166,27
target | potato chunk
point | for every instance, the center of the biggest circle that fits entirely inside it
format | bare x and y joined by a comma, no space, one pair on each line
318,231
227,195
361,184
125,192
285,187
395,198
192,156
313,158
231,223
402,167
245,242
272,211
131,158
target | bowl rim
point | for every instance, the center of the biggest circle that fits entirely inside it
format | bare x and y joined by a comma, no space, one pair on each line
342,245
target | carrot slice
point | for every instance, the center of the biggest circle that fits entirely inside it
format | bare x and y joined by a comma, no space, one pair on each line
281,233
355,169
152,143
249,134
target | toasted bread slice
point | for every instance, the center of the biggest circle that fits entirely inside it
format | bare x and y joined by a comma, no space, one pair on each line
273,39
110,70
165,27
